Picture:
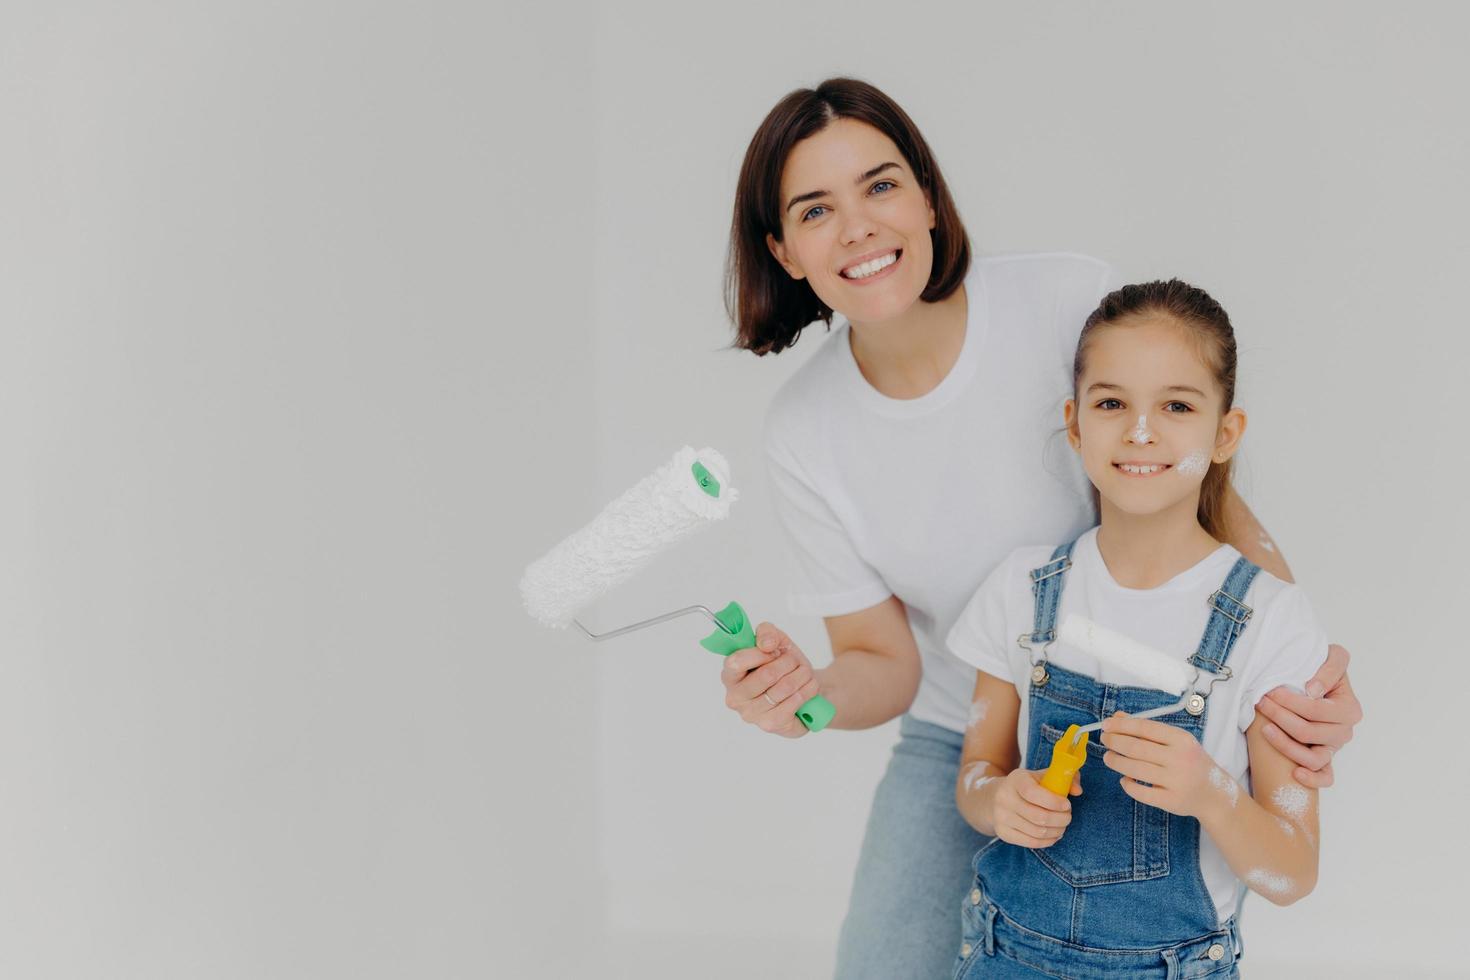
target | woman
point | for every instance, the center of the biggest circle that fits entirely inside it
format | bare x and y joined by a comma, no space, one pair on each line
903,456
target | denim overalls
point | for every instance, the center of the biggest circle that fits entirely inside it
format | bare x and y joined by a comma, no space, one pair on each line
1121,893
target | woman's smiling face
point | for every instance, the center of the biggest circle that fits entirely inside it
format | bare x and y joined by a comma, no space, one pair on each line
855,223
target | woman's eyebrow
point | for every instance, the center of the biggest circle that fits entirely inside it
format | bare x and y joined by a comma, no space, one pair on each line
813,195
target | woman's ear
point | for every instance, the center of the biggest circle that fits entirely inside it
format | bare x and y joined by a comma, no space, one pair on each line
778,249
1232,430
1069,419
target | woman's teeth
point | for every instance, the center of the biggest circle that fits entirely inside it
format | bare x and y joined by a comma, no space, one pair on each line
870,268
1141,470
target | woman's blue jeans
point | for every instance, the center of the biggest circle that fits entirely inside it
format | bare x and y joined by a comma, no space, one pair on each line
903,920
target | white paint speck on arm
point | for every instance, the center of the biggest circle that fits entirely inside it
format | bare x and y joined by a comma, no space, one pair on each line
973,777
979,708
1222,781
1292,800
1267,543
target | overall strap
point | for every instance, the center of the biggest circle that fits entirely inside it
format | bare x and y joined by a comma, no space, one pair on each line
1228,616
1046,586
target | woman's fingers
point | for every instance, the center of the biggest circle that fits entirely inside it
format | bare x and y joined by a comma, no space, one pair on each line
1336,713
1309,757
741,662
1306,732
760,680
788,685
1314,778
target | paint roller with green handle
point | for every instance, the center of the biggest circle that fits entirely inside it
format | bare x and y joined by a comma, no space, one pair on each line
686,493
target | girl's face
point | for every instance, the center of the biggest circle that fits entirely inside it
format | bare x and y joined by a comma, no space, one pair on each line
1147,417
855,223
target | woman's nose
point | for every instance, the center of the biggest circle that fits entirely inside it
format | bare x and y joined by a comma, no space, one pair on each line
1140,434
857,225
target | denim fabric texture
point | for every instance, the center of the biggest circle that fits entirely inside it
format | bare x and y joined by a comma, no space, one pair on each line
914,866
1121,893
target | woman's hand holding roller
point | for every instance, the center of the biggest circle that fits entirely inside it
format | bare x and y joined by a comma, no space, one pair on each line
766,684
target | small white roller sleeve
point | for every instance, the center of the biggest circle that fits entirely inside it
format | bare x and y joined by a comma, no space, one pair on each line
658,511
1149,666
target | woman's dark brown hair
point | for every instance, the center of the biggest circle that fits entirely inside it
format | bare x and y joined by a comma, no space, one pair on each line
1196,311
768,306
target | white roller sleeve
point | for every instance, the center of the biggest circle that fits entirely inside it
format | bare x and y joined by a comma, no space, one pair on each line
1149,666
662,508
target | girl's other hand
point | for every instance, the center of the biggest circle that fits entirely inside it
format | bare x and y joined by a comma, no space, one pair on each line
1308,729
1170,759
1025,814
767,683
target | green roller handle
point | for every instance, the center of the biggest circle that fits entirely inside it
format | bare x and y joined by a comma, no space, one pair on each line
815,714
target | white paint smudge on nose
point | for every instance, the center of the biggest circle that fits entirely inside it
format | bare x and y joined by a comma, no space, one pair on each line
1292,799
1140,431
1268,882
1225,784
979,708
1195,463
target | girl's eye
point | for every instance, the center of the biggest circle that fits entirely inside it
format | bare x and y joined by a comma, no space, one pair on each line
812,212
882,183
1178,407
1108,404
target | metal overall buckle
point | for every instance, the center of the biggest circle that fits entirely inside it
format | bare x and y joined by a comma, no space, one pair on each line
1195,703
1039,675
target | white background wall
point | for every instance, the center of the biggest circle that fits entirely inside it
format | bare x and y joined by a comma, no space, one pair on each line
319,321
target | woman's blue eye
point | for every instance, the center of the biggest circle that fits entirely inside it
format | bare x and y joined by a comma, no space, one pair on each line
812,212
1182,408
882,183
1109,403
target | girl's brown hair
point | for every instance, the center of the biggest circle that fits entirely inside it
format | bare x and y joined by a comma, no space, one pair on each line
769,308
1209,325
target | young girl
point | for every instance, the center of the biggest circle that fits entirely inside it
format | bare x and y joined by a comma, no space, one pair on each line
1138,872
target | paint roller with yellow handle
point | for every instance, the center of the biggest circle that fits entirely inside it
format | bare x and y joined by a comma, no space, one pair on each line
1157,670
689,492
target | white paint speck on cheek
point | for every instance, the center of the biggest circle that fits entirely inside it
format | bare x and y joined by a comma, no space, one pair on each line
1268,882
1194,464
979,708
973,779
1286,827
1140,431
1225,784
1292,800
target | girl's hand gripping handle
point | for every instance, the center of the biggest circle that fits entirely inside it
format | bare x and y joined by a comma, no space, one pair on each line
1067,757
815,713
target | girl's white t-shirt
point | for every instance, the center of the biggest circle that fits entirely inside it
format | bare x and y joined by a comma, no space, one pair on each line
1282,644
921,498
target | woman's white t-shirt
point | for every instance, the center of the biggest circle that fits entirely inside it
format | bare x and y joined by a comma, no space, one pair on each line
922,498
1282,644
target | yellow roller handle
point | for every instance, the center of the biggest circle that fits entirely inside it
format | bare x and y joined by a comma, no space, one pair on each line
1066,758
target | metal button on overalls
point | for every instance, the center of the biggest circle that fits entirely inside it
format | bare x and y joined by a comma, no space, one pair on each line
965,949
974,896
1215,952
